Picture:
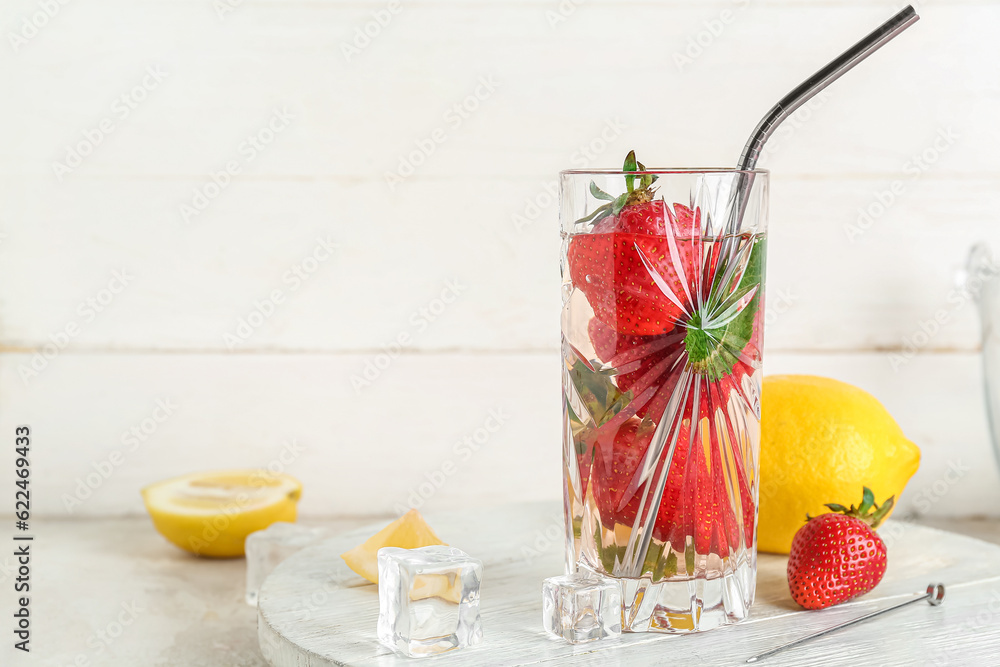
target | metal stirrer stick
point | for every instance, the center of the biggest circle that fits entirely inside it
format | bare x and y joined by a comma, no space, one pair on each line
805,91
934,595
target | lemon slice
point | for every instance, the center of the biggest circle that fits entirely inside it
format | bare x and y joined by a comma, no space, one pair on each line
443,586
211,513
409,531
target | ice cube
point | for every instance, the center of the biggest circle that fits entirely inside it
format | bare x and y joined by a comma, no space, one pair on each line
581,607
428,600
266,548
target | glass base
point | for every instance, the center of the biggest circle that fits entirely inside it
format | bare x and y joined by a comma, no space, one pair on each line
683,606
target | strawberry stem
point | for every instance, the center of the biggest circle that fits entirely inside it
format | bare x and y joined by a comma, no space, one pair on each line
872,518
632,195
867,501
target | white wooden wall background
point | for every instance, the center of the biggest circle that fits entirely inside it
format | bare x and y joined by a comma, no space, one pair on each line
453,269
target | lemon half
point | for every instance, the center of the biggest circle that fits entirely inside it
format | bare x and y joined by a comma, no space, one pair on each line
211,513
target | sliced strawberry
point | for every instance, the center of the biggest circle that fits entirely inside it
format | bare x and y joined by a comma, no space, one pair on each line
616,487
584,463
686,227
639,273
726,354
675,517
695,501
748,506
638,359
611,270
682,508
732,467
716,510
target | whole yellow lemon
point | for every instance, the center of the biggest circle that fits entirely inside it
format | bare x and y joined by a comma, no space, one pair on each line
822,441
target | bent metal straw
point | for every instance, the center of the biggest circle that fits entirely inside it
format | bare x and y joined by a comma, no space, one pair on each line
804,92
639,544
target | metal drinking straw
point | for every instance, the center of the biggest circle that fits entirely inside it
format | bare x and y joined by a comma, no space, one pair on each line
785,107
804,92
934,596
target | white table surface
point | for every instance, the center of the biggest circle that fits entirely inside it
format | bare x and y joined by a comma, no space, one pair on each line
190,611
314,612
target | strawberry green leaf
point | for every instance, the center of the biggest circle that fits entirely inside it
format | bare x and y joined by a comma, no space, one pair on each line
653,558
647,179
714,351
596,214
882,512
602,398
609,555
873,519
666,567
867,501
619,204
630,165
632,195
577,425
599,193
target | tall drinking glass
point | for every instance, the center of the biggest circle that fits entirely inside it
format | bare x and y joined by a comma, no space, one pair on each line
662,324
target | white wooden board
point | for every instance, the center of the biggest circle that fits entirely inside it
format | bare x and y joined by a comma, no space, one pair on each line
313,612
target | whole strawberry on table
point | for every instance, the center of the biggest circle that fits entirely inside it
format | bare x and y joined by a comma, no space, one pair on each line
838,556
676,337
